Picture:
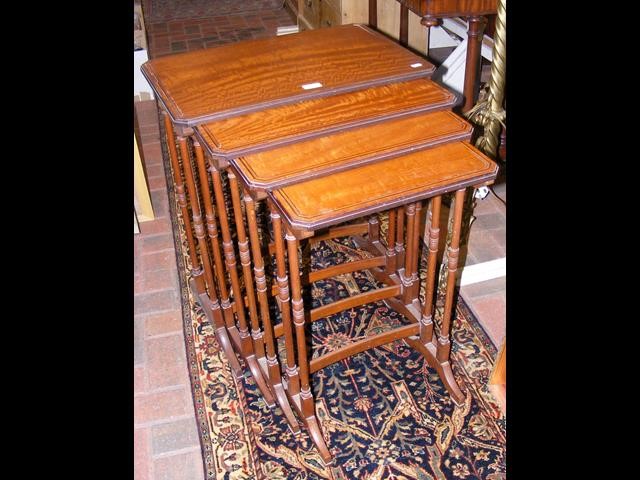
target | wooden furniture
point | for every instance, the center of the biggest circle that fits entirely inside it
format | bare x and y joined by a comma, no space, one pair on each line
386,16
304,156
246,77
410,124
432,11
246,134
323,157
402,19
376,132
317,157
304,208
258,74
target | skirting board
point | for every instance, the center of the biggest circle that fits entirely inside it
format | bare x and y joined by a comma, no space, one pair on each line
481,272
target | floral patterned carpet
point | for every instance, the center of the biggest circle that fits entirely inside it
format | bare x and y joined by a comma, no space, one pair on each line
385,412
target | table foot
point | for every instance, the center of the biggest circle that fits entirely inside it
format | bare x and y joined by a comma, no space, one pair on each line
222,336
445,373
318,439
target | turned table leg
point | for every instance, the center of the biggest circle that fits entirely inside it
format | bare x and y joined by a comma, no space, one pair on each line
245,341
426,322
273,365
475,34
196,270
444,338
291,369
306,397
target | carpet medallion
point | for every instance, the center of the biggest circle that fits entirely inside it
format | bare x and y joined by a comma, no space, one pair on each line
385,412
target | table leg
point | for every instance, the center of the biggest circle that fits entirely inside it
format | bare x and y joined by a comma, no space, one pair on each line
391,238
426,321
293,380
273,365
400,237
245,342
475,34
406,277
306,397
196,271
212,230
444,337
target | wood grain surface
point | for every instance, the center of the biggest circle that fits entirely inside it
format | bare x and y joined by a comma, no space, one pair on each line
246,134
252,75
383,185
333,153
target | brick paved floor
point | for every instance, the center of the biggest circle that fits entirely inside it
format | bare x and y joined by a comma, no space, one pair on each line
166,444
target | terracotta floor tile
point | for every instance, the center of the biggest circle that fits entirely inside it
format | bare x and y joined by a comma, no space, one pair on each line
161,323
185,466
154,406
174,435
166,361
142,462
155,301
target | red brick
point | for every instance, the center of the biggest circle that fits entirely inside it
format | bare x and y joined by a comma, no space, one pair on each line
138,284
221,20
174,436
484,246
190,28
237,21
156,170
161,280
185,36
146,113
161,53
152,153
195,44
187,466
157,183
162,260
146,131
157,243
491,313
141,454
156,226
157,27
160,203
161,43
176,27
161,405
208,30
138,340
165,322
489,221
138,380
166,362
155,302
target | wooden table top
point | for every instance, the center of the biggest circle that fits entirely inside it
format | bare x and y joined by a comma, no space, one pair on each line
251,75
451,8
340,151
376,187
253,132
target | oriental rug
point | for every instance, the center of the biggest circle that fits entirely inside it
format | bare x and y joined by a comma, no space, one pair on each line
385,411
